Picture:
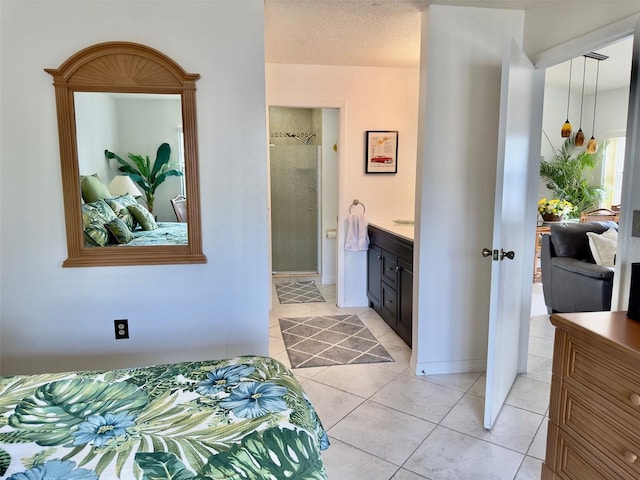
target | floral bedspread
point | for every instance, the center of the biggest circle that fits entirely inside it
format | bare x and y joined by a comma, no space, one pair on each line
167,233
245,418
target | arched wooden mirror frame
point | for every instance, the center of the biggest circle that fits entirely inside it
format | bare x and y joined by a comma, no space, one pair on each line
124,67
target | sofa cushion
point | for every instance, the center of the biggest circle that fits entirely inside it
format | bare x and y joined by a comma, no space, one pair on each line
570,239
571,265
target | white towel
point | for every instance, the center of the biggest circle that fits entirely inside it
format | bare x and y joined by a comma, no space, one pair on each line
356,239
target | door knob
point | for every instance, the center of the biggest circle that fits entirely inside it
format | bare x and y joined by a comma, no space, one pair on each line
510,254
486,252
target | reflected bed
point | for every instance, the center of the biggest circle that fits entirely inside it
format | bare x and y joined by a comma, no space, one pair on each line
241,418
167,233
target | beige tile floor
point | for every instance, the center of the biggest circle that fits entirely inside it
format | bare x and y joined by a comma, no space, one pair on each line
384,422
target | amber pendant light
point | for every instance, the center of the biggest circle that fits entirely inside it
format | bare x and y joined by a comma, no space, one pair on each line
566,126
592,146
579,140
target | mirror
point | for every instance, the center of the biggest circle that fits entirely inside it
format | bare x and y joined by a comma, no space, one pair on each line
108,96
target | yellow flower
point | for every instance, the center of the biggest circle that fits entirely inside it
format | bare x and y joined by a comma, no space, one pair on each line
554,206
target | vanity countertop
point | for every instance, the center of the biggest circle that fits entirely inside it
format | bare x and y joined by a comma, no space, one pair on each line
400,229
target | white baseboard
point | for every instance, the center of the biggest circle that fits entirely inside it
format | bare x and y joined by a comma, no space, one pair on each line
458,366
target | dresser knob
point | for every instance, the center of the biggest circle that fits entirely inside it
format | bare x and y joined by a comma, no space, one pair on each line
635,399
630,457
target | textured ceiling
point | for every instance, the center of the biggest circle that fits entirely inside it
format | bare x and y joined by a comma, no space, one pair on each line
383,33
386,33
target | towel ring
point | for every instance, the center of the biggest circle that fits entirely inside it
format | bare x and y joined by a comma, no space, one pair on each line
358,202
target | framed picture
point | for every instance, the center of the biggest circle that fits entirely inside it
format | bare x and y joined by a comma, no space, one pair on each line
381,151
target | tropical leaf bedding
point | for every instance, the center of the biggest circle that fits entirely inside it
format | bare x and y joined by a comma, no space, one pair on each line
245,418
167,233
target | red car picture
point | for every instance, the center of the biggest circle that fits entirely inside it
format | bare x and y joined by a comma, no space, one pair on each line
381,159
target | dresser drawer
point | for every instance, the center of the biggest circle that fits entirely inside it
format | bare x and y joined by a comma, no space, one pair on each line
597,370
575,461
607,433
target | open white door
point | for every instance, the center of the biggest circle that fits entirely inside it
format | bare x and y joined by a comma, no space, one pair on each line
515,210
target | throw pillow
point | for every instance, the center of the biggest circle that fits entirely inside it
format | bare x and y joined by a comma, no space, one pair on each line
603,247
119,230
100,210
143,217
95,235
119,206
92,188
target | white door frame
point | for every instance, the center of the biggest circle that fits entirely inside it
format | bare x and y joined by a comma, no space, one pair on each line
575,48
342,112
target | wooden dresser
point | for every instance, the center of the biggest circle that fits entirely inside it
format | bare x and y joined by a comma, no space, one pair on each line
594,412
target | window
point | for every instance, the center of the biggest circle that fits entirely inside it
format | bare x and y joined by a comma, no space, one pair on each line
613,159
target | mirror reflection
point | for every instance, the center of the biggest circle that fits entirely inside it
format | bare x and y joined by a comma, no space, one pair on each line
131,158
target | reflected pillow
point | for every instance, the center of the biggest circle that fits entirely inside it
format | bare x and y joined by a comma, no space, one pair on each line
95,235
119,230
119,206
143,217
603,247
99,211
92,188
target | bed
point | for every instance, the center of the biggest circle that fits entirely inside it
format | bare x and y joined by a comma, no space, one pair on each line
245,418
167,233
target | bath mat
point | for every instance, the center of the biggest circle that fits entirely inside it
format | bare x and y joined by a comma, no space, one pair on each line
330,340
299,292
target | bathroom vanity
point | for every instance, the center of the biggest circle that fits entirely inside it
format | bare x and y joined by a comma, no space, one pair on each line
390,275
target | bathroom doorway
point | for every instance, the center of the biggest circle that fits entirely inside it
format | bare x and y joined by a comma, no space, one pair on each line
303,186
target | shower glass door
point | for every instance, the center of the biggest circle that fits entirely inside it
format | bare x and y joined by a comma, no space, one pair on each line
294,208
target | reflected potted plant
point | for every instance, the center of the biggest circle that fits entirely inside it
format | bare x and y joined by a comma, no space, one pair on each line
149,176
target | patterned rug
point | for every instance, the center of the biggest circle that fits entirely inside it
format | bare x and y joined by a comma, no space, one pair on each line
299,292
330,340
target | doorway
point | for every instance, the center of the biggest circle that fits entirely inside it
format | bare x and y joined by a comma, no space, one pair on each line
303,192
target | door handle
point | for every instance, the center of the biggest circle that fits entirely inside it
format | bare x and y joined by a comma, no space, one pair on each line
490,253
510,254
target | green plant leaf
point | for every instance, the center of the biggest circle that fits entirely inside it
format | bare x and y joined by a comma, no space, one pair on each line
142,163
162,466
5,460
273,454
162,158
49,416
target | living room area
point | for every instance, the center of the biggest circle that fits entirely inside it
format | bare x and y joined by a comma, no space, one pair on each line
579,200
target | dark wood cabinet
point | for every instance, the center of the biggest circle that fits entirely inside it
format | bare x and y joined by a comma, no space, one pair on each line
390,280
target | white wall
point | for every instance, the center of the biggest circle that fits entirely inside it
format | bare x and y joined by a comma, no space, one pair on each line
329,175
369,99
58,319
548,24
96,130
462,52
143,125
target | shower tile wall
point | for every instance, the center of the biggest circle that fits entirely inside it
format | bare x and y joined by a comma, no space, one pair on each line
284,119
294,189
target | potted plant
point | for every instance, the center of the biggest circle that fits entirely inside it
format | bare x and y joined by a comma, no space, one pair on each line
564,175
147,175
554,210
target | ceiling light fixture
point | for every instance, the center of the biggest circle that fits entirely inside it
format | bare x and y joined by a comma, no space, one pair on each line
579,140
566,127
592,146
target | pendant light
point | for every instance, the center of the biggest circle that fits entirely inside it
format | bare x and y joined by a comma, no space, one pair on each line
592,146
579,140
566,127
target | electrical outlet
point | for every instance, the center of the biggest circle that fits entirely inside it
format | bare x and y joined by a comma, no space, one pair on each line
122,328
